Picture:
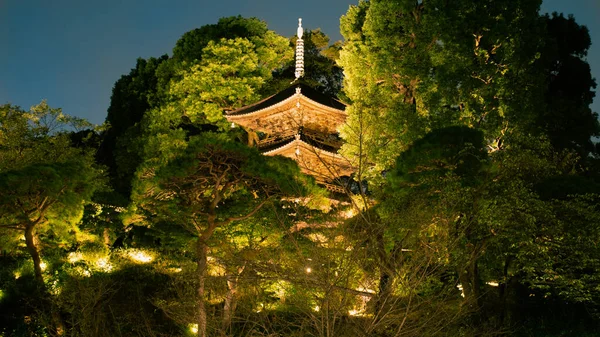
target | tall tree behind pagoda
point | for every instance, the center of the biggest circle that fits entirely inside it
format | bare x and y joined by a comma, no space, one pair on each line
132,95
417,67
320,69
147,87
481,65
410,69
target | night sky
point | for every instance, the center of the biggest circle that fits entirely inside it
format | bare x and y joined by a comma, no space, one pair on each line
72,52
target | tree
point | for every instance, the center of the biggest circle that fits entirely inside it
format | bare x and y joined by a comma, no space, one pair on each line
412,67
320,69
568,120
132,95
229,76
148,86
190,47
44,181
434,194
213,183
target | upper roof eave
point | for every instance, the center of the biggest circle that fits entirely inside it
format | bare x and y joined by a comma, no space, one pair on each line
289,92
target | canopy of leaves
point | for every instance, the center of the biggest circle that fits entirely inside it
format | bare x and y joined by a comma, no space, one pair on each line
568,119
44,179
412,67
252,52
214,171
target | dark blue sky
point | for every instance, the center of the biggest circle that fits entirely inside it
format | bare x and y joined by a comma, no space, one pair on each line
71,52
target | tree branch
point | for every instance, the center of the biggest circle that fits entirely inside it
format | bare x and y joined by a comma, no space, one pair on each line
256,209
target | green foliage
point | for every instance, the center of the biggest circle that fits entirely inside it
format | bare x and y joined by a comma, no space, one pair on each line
410,70
229,76
470,119
118,303
63,186
213,68
190,47
42,176
243,176
132,95
36,136
568,119
320,69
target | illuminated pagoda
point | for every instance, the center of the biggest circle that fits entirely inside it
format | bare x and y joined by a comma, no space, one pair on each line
299,123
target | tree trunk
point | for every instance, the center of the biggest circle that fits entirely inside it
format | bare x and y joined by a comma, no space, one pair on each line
384,291
201,259
503,290
385,276
46,301
469,279
230,302
35,256
106,237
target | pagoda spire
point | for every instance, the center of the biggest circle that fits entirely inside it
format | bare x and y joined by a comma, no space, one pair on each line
299,51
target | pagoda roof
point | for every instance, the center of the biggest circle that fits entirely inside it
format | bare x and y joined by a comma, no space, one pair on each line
296,107
285,94
322,164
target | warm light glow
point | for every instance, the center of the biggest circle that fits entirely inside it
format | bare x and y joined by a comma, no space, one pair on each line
215,268
194,328
17,275
43,265
317,237
366,290
75,256
140,256
354,313
308,270
348,214
317,308
104,265
460,287
492,283
280,290
55,288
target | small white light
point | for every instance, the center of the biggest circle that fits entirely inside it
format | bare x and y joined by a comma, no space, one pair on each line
308,270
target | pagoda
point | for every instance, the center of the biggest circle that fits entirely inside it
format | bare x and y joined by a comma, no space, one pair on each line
299,123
